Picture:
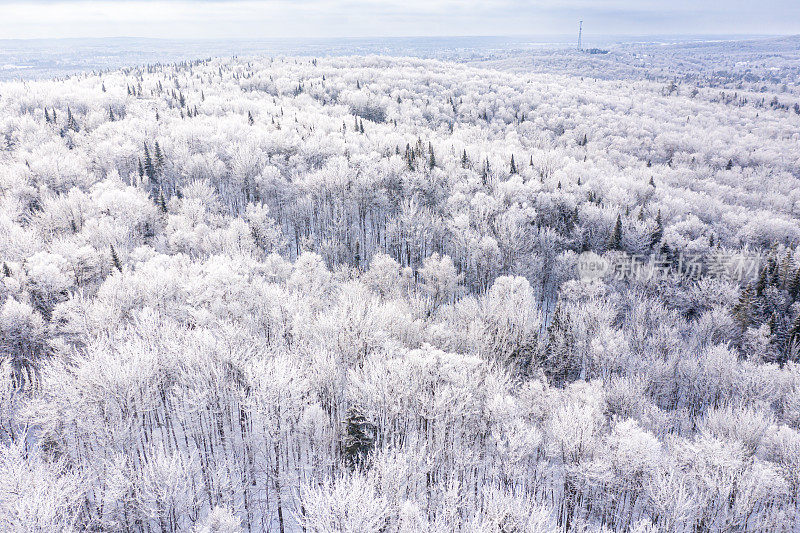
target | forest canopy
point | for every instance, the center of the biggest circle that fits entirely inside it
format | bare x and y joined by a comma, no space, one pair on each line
362,295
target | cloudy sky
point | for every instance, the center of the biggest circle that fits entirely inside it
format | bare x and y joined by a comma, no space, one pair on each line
363,18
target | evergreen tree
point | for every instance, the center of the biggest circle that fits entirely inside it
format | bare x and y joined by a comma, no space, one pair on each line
774,278
556,358
6,270
71,123
615,241
162,202
432,159
666,252
159,156
149,167
658,232
250,118
794,285
763,281
743,311
115,259
785,271
781,331
464,160
359,439
513,165
46,115
793,340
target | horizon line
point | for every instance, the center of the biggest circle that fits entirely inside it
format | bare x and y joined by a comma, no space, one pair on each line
439,36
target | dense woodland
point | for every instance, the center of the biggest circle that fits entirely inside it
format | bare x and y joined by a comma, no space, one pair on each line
343,295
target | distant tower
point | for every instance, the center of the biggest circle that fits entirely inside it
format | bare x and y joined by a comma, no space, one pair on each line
580,35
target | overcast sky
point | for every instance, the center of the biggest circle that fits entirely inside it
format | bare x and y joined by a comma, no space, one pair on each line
362,18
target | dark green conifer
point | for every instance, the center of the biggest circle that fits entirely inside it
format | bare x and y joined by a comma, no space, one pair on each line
71,123
658,232
615,241
162,202
159,156
743,311
149,168
556,359
359,439
115,259
763,281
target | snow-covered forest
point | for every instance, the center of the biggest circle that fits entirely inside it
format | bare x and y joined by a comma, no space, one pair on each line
351,295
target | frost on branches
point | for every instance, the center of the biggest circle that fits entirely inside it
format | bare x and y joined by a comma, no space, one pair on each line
344,295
